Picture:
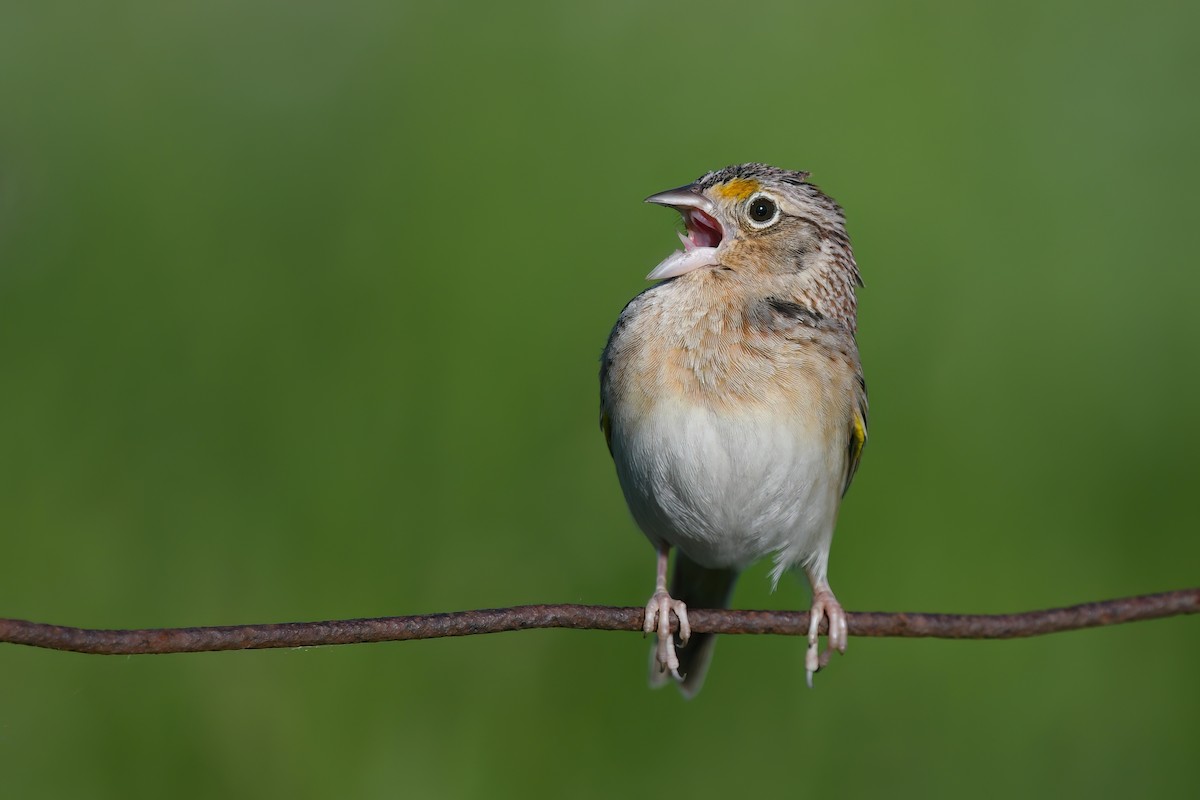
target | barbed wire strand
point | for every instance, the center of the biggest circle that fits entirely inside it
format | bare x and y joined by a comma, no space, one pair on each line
584,617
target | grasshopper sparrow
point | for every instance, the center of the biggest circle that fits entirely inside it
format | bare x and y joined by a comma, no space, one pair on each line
733,401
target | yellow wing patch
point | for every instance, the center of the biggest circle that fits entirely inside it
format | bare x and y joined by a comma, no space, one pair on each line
737,188
858,439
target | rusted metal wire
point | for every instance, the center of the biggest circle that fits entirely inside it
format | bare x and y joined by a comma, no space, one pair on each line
518,618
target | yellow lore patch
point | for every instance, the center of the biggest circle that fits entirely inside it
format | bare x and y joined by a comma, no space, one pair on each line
738,188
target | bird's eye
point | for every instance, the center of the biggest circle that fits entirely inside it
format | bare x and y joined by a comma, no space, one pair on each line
762,211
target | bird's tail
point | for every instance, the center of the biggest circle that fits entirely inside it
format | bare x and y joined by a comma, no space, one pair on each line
698,587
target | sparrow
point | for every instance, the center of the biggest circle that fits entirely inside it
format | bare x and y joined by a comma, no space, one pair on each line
733,402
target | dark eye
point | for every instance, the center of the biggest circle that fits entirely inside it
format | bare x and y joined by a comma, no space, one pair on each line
762,209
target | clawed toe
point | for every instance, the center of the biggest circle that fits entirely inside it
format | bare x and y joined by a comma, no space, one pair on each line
825,605
658,620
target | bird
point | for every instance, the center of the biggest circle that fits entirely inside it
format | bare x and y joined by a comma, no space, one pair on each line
733,402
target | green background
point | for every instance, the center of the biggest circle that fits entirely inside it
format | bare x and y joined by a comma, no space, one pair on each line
300,312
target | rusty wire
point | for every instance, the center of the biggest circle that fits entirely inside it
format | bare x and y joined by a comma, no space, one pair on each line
496,620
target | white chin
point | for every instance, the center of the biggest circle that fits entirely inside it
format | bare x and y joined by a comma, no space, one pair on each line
682,261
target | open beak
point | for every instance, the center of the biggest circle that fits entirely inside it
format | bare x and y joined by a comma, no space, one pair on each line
704,232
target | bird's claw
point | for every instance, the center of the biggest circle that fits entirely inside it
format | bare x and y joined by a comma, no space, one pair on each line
658,620
825,605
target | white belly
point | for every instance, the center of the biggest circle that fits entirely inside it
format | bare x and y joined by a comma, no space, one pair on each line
729,490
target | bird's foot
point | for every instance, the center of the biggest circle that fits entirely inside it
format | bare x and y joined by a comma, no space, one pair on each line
824,605
658,619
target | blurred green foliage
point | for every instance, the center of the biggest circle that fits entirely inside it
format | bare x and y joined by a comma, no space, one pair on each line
300,311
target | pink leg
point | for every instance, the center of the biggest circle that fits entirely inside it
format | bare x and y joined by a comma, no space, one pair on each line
824,605
658,618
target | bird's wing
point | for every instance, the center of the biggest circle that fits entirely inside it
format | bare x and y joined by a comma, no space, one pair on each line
858,432
610,354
